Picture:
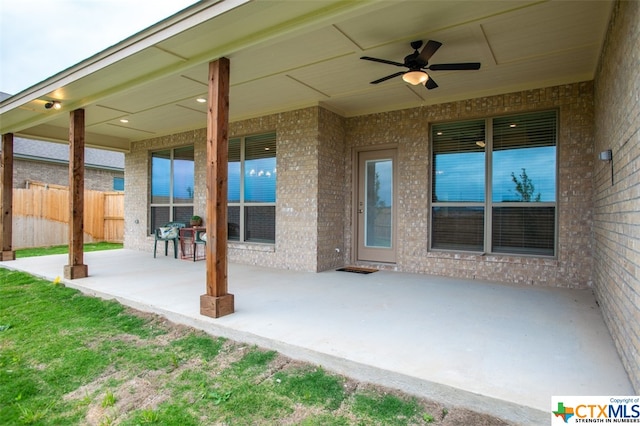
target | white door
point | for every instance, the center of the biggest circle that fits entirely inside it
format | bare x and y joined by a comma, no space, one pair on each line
376,203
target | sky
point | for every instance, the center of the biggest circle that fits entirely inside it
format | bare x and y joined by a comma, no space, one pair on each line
40,38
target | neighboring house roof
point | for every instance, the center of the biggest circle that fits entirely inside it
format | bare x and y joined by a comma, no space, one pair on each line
29,149
290,55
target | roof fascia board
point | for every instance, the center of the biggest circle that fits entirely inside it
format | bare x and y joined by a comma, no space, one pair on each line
175,24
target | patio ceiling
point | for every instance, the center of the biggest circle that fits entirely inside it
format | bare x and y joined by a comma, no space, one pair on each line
293,54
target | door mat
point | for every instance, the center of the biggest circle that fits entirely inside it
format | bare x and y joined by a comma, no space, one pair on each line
357,270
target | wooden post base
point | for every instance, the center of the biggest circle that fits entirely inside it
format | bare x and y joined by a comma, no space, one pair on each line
8,255
216,307
71,272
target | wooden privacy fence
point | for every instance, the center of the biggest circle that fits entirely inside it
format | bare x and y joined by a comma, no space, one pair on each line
41,216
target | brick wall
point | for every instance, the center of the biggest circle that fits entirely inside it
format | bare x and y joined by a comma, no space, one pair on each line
314,191
408,130
617,203
296,208
331,191
58,174
296,193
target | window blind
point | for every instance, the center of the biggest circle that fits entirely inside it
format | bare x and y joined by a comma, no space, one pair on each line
517,159
458,186
252,188
524,184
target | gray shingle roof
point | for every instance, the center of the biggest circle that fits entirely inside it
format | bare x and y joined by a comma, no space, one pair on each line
56,152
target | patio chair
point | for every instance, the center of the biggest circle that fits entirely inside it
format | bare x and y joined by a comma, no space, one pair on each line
200,238
169,232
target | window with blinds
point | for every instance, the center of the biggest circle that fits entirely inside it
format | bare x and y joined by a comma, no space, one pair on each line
172,183
252,189
458,186
505,166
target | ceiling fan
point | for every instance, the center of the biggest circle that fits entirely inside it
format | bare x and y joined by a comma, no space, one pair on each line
418,63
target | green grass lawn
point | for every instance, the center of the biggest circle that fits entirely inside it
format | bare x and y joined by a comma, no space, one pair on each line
44,251
68,359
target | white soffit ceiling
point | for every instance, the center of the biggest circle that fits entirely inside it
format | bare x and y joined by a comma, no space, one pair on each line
293,54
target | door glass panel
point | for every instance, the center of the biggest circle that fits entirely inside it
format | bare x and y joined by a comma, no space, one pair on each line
378,203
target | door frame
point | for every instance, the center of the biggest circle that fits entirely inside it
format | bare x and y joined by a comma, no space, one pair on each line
355,178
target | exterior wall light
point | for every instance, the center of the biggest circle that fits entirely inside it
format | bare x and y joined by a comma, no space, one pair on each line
53,104
606,155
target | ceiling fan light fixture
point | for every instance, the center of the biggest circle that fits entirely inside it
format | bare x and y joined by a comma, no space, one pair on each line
415,77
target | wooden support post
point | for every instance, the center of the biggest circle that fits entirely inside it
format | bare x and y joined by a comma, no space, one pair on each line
217,302
7,198
76,268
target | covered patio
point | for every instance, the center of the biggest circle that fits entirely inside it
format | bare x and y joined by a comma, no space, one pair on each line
495,348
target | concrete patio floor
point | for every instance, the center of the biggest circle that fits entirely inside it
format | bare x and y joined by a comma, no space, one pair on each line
499,349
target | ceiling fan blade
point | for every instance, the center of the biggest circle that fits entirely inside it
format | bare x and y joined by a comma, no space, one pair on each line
455,67
429,49
383,61
380,80
430,84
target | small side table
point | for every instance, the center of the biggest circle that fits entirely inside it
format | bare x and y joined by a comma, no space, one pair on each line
189,246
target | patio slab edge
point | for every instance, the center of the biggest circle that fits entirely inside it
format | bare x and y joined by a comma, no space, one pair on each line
448,395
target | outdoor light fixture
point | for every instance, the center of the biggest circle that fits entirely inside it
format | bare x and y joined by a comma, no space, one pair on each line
606,155
53,104
415,77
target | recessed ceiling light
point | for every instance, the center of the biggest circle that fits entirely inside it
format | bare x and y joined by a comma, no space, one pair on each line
124,120
201,100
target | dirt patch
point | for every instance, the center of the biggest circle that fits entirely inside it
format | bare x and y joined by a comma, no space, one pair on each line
129,339
229,353
90,389
300,412
460,416
138,393
279,363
